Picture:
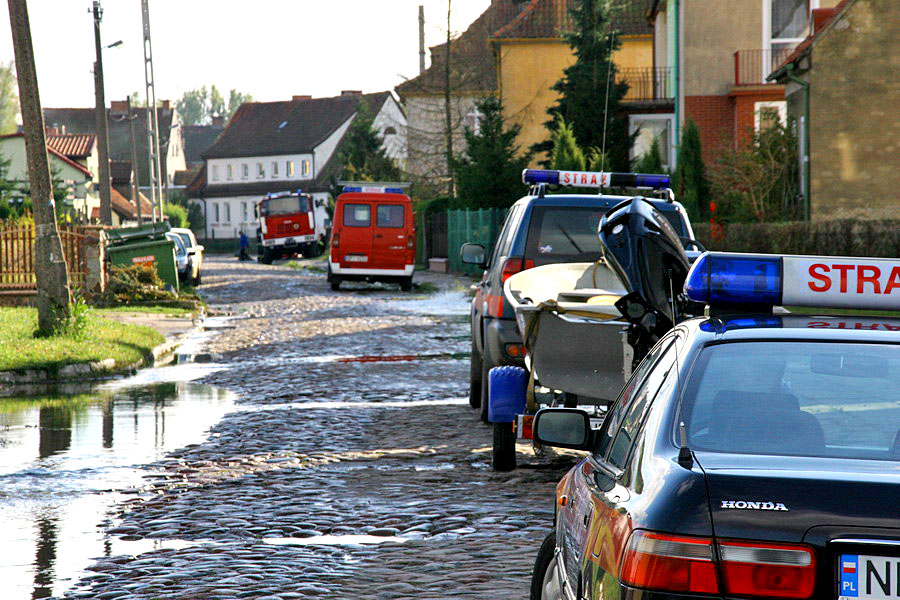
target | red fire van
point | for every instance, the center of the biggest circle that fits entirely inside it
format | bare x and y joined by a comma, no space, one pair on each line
374,236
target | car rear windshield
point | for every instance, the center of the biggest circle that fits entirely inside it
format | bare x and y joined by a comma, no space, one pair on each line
796,398
563,234
185,239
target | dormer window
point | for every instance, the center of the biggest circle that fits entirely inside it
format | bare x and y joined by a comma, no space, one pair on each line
245,170
274,169
229,172
260,170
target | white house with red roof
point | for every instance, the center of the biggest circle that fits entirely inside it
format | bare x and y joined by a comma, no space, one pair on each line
284,146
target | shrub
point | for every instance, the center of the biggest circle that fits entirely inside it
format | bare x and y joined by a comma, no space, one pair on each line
135,283
178,215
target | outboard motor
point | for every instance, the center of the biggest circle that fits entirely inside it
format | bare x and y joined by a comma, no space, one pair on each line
646,253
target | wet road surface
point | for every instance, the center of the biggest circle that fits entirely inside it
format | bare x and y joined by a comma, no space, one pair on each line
338,474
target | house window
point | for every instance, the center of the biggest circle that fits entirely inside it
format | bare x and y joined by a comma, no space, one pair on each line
215,172
260,170
649,127
216,211
245,170
305,168
274,169
769,114
227,213
229,172
244,215
289,168
786,24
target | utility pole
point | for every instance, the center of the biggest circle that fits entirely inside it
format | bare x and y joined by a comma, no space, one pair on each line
135,190
447,114
152,117
102,128
421,39
53,297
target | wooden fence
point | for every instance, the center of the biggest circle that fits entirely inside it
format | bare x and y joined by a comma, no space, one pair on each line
17,256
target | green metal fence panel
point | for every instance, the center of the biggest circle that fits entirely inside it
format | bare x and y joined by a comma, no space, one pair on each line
477,226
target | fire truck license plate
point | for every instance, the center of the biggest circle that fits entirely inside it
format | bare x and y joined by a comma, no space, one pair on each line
356,258
869,577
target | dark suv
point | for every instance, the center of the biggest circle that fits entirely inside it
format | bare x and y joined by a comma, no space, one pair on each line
539,229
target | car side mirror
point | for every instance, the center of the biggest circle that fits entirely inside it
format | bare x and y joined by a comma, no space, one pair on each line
563,428
473,254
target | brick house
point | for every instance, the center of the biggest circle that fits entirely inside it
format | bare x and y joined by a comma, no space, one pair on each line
839,88
719,53
278,146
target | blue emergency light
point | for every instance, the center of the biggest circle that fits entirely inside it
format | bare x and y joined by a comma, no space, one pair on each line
594,179
730,278
373,189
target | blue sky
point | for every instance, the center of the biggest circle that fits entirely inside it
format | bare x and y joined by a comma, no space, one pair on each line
272,49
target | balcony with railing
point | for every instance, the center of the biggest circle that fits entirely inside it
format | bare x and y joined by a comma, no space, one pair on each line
751,67
648,84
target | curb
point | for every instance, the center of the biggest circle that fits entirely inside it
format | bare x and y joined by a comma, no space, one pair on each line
96,370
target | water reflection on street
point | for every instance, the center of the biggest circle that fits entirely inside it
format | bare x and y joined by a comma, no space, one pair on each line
65,460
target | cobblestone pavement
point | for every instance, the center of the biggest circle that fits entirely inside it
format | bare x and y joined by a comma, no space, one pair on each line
328,443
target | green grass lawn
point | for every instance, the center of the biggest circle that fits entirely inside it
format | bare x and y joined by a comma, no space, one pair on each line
102,339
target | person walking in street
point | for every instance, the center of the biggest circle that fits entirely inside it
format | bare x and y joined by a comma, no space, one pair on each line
245,247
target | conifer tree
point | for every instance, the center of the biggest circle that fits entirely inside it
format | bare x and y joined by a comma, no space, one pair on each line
566,155
651,162
489,173
583,88
362,154
689,182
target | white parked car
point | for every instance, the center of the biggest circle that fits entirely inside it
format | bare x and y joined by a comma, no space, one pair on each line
194,251
182,259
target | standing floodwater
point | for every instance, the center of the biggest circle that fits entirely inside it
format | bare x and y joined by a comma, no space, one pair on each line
65,460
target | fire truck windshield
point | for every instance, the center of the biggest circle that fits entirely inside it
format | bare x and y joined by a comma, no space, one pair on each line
286,205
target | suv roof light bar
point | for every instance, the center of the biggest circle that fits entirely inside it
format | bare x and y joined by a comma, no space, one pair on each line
594,179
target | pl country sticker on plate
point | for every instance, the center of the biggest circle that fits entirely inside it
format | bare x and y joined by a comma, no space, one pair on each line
869,577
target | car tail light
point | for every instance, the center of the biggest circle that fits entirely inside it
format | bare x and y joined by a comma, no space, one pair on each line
513,266
335,240
671,563
514,350
765,569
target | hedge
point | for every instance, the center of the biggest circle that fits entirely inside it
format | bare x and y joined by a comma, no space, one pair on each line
835,238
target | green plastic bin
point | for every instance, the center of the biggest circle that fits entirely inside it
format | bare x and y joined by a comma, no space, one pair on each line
147,244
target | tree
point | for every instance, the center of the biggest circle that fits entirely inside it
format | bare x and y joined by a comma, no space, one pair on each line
362,154
54,300
200,105
9,99
235,99
566,155
489,173
689,181
759,180
589,95
651,162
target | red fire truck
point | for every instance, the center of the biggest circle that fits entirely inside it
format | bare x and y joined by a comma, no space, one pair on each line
291,223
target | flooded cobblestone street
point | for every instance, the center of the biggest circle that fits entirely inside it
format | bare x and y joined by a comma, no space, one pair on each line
351,465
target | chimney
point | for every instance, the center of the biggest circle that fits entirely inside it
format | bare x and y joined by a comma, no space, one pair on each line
164,104
218,121
351,92
118,106
296,98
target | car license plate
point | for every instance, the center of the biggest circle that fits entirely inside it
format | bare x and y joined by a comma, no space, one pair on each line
356,258
290,242
868,577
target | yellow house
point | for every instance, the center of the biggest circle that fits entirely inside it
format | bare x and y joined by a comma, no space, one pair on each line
531,56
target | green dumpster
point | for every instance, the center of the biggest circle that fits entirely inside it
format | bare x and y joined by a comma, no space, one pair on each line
146,245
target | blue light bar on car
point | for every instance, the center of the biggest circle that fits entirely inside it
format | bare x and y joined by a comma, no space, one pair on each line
594,179
372,189
725,278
